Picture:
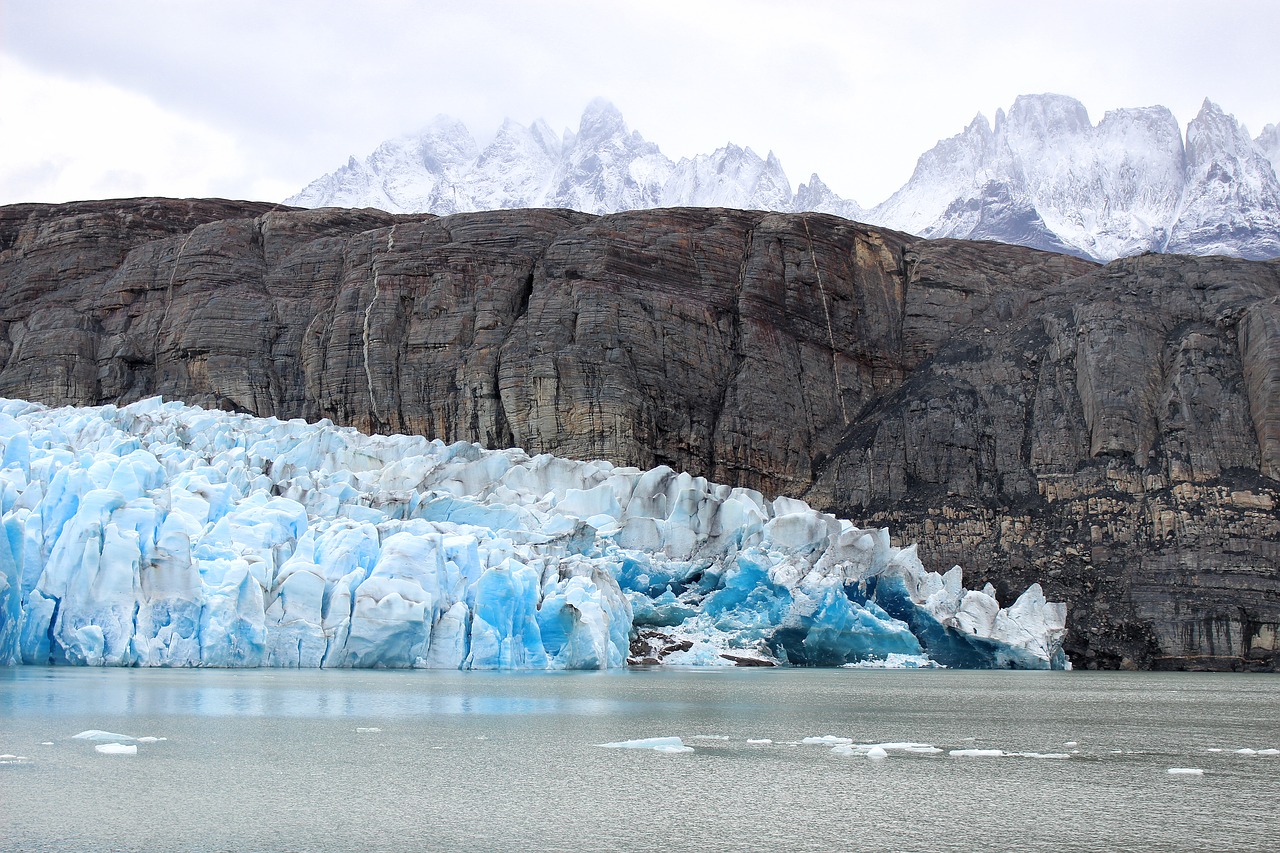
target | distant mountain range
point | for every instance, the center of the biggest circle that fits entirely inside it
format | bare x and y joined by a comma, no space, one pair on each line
1042,176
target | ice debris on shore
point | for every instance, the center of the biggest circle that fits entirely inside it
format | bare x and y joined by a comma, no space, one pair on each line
159,534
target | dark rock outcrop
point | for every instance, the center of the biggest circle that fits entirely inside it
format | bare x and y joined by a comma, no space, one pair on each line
1113,432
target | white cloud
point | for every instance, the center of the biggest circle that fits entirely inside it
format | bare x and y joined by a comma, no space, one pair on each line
68,140
244,98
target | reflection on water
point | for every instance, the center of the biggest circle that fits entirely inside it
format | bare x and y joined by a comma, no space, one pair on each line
359,760
250,693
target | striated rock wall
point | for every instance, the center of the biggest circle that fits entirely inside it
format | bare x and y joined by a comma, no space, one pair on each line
1111,431
1113,436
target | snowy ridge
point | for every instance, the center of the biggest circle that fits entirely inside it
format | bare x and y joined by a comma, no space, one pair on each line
1043,176
163,535
602,168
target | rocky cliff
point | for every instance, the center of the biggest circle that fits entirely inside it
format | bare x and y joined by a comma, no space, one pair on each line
1112,431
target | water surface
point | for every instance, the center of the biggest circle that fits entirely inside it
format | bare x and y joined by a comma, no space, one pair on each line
273,760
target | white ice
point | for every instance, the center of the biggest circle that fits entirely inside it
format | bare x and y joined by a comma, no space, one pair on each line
1185,771
117,748
896,661
99,734
861,749
164,535
657,744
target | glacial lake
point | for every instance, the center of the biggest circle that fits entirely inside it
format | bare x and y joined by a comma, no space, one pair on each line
284,760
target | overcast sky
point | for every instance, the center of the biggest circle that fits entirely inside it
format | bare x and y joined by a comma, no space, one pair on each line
253,99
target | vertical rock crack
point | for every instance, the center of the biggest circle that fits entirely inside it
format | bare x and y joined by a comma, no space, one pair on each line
826,310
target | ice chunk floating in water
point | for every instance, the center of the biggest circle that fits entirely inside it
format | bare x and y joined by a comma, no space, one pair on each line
100,735
164,535
657,744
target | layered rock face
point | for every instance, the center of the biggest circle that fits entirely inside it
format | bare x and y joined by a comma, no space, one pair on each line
1114,431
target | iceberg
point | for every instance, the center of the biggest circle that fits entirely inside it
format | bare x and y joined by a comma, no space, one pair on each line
657,744
159,534
100,735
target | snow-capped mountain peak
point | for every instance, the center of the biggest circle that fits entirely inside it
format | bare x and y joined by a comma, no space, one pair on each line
1268,143
602,167
818,197
1045,176
732,176
1231,201
1041,175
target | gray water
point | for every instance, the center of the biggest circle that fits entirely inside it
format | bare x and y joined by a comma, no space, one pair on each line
270,760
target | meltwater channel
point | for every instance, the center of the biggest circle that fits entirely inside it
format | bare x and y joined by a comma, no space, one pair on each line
274,760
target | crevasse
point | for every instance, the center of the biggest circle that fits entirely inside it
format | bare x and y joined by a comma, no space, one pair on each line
158,534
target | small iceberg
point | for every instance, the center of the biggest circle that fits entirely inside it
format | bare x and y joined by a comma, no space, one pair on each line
100,735
657,744
977,753
895,660
865,749
117,748
907,746
1185,771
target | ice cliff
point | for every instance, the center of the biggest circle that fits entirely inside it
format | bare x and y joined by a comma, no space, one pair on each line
164,535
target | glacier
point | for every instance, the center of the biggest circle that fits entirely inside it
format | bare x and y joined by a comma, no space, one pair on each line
158,534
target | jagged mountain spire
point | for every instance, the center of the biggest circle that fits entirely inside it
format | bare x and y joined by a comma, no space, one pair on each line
602,167
1040,175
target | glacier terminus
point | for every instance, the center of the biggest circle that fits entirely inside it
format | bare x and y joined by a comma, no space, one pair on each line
158,534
